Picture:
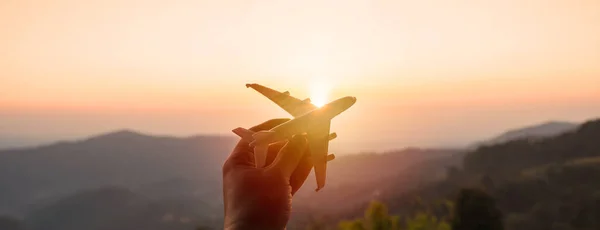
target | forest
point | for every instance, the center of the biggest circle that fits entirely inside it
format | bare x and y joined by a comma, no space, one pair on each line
525,184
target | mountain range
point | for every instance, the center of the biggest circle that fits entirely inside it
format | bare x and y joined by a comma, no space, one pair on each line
180,179
124,158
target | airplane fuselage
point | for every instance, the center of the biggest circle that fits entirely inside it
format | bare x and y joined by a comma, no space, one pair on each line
312,119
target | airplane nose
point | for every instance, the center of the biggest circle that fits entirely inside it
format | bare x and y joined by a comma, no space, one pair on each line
338,106
352,100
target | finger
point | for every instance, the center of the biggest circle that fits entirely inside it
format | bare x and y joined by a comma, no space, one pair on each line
276,147
243,153
273,150
301,173
288,158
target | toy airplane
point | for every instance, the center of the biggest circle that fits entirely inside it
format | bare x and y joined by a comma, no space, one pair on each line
308,118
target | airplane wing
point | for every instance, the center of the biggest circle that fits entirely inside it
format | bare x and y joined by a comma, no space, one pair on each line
292,105
318,141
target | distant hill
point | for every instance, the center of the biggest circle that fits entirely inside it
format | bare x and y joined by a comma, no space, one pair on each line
516,155
13,142
547,129
119,209
539,183
166,173
33,176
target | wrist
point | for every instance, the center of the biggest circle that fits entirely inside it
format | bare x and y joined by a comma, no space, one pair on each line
259,219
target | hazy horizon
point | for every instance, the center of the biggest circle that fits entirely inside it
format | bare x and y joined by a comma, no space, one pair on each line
426,73
343,147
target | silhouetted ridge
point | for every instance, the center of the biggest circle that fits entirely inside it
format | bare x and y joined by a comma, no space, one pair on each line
123,158
520,154
543,130
123,136
126,135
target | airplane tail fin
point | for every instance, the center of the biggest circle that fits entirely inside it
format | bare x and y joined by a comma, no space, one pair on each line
320,174
260,150
245,134
260,155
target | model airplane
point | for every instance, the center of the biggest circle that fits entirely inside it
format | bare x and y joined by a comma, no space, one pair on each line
308,118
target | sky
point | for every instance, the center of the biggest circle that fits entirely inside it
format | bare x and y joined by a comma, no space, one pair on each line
426,73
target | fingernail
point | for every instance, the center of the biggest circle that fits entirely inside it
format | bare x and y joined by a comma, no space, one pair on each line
298,140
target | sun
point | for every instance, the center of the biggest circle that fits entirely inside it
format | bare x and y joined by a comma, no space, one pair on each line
319,92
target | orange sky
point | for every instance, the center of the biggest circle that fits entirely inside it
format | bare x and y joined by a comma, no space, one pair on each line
70,68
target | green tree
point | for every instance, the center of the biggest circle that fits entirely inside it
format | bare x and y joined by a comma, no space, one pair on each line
424,221
352,225
376,218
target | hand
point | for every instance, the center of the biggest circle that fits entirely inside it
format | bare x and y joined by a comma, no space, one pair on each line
261,198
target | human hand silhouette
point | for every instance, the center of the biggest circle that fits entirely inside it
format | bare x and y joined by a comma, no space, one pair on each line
261,198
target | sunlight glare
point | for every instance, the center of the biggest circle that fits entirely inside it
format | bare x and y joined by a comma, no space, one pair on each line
319,92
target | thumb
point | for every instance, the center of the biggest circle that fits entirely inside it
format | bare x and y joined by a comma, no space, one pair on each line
290,155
